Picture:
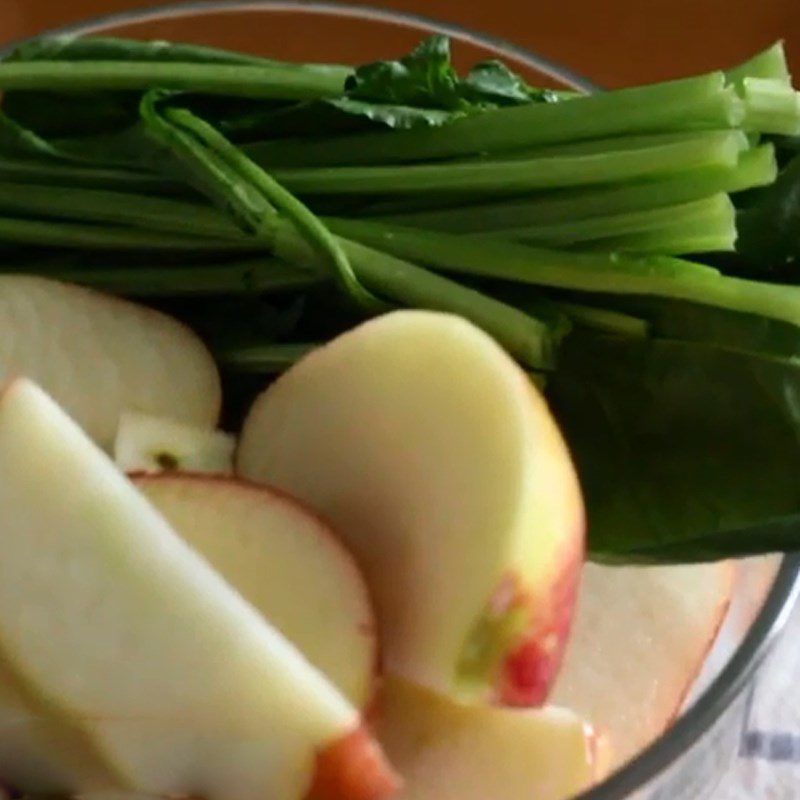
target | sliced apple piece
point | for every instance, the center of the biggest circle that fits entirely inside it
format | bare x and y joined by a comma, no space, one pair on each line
447,751
97,355
443,471
113,621
285,561
41,751
155,444
639,640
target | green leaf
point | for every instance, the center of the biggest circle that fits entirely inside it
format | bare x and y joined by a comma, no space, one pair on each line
424,89
425,78
392,115
769,229
694,322
493,82
679,445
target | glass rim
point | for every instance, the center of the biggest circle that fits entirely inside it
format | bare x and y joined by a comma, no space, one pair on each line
765,630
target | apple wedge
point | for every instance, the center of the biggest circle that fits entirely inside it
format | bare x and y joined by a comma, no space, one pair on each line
639,640
98,355
41,753
442,470
155,444
114,623
285,562
446,751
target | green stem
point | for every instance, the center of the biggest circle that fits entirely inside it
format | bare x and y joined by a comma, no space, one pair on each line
68,47
603,320
690,104
770,106
48,173
770,63
614,145
590,272
491,258
276,80
306,223
716,214
755,168
258,275
712,232
524,336
46,233
264,359
122,208
708,150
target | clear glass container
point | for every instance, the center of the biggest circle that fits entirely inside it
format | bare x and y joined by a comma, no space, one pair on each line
689,760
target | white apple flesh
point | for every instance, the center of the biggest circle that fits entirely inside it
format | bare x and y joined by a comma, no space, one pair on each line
639,640
285,562
155,444
112,620
98,355
446,751
444,473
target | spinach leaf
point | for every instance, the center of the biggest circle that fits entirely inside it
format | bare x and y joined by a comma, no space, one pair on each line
425,78
694,322
769,228
679,445
424,88
493,82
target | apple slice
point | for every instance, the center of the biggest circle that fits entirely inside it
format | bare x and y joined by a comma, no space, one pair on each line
154,444
446,751
41,753
639,640
97,355
444,473
285,562
114,622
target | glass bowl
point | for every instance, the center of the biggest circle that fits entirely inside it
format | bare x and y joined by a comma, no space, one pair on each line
689,760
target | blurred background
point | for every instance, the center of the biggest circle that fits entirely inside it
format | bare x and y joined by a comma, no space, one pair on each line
613,42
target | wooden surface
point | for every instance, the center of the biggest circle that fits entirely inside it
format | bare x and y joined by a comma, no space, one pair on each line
612,41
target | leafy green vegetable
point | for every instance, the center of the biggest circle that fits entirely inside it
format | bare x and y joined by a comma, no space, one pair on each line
754,168
423,88
493,82
236,192
769,229
679,445
424,78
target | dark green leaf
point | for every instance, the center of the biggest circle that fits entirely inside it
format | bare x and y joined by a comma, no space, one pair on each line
693,322
494,82
678,442
769,229
424,89
395,116
780,535
424,78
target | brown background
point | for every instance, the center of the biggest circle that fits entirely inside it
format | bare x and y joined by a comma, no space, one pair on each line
612,41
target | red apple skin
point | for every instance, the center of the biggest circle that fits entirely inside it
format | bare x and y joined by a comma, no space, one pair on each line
353,768
529,671
530,668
